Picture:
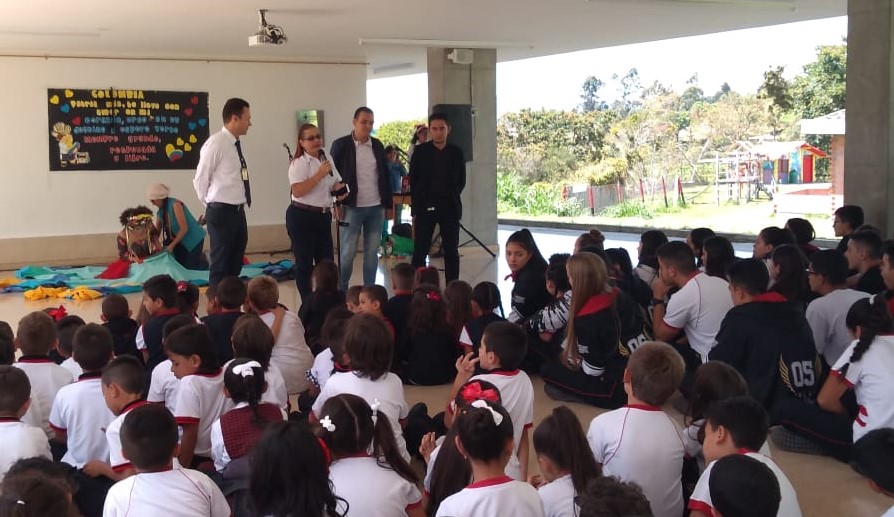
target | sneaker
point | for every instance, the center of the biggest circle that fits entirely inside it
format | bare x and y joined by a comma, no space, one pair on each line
793,442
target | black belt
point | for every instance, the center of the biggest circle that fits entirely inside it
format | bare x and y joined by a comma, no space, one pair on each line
228,206
311,208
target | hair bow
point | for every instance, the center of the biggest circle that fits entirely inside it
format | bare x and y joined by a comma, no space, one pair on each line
182,286
326,423
246,369
433,296
472,392
481,404
57,314
375,409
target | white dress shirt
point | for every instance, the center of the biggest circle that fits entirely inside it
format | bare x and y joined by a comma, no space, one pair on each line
218,177
367,175
302,169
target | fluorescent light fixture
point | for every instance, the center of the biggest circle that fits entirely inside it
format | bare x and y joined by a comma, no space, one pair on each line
51,31
442,43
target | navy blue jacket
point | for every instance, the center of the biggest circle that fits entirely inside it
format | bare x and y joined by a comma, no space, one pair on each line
344,156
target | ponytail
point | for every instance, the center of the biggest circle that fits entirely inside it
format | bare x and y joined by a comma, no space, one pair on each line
872,317
561,438
244,379
385,446
450,473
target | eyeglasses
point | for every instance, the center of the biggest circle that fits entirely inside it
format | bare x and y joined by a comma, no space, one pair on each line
313,137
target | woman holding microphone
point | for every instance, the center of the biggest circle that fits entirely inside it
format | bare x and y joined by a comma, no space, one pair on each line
313,181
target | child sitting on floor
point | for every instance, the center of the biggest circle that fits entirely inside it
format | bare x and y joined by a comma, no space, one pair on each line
225,308
352,298
116,316
429,349
19,439
325,297
485,300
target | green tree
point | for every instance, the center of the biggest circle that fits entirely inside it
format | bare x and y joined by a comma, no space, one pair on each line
590,95
398,132
630,89
777,91
822,88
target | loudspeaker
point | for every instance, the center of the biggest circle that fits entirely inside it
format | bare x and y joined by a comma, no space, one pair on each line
461,129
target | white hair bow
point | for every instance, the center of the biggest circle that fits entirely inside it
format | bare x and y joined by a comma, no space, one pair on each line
482,404
327,424
246,369
375,409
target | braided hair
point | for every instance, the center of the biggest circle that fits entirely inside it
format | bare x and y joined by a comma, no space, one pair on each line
872,317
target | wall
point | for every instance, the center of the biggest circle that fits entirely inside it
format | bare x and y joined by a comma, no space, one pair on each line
66,217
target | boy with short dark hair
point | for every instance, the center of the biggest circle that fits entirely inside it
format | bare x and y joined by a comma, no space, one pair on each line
873,457
230,294
738,425
35,337
372,301
79,415
742,486
118,318
149,442
7,344
502,349
864,255
397,308
19,440
160,301
122,388
65,329
608,496
640,442
847,219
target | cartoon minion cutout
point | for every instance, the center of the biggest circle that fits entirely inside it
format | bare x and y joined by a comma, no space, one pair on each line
68,148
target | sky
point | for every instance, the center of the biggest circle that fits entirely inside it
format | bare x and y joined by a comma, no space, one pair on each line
554,82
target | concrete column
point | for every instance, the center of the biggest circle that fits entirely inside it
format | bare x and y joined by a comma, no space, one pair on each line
475,84
869,153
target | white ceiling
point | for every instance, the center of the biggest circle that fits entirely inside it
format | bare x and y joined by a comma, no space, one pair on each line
330,31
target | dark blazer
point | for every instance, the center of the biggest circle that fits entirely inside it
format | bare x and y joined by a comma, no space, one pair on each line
344,156
420,176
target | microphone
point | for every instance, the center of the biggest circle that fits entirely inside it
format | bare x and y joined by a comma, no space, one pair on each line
323,158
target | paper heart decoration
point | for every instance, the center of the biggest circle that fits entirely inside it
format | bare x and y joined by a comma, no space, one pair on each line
194,100
203,122
192,126
76,121
69,94
54,99
188,112
179,141
65,108
193,139
173,153
187,147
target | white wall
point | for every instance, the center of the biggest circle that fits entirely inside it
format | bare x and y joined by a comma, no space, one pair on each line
37,203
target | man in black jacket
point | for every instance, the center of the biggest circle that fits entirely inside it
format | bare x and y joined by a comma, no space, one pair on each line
767,339
437,178
361,160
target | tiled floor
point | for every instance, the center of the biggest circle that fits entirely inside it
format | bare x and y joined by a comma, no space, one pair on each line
825,487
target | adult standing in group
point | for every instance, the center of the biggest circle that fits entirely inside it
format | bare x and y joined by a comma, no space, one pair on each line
182,235
309,216
362,162
438,177
221,182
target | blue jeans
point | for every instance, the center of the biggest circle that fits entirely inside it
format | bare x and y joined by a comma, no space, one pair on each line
369,219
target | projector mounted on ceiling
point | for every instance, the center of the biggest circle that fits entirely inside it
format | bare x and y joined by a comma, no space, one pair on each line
267,34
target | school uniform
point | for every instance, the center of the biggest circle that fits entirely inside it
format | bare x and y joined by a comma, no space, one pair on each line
473,331
313,313
557,498
80,410
234,434
276,393
387,390
827,316
871,380
501,496
397,310
698,308
73,367
322,368
430,466
221,328
517,394
163,386
694,449
290,352
149,337
201,400
177,492
46,378
20,440
788,505
642,444
529,293
431,357
113,437
372,490
124,336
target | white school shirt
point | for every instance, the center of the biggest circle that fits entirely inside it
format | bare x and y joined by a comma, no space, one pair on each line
323,366
557,498
305,167
699,308
826,316
642,444
178,492
163,386
388,390
46,378
889,513
113,437
20,441
694,449
290,352
372,490
872,381
70,365
788,505
501,496
201,400
219,173
80,410
510,469
517,394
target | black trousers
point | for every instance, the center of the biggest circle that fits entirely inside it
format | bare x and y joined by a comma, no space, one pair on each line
425,227
606,391
228,232
833,432
191,259
311,235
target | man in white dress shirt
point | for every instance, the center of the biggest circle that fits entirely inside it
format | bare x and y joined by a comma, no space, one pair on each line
221,182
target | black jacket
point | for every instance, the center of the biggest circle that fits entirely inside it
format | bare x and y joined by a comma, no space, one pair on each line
313,314
344,156
608,328
771,344
221,327
529,293
421,181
